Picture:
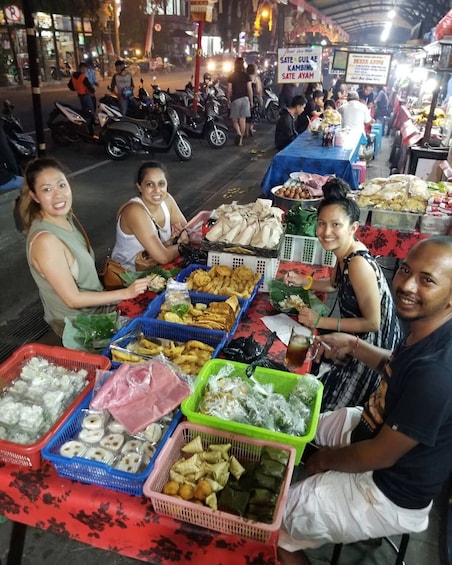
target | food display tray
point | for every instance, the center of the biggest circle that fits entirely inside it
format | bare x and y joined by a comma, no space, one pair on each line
268,266
244,449
94,472
185,273
245,250
435,225
307,250
156,305
152,328
402,221
30,455
283,383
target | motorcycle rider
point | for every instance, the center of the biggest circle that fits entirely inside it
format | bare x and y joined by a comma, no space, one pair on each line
122,83
80,83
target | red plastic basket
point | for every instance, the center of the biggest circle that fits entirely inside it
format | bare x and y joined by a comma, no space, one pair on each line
30,455
245,449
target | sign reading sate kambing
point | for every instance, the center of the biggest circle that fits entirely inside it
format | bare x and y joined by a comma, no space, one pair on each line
299,64
368,68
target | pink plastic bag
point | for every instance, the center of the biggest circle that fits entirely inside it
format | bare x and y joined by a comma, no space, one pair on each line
136,395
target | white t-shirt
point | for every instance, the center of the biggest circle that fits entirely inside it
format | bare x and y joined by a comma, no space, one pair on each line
354,115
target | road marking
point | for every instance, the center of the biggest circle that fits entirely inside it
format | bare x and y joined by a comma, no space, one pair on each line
90,168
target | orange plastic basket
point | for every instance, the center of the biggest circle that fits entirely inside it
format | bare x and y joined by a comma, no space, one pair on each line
30,455
245,449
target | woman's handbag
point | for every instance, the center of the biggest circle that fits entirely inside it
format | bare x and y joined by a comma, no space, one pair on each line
110,275
144,262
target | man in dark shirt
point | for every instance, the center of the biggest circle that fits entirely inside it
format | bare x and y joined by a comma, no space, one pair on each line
313,108
380,466
9,171
285,131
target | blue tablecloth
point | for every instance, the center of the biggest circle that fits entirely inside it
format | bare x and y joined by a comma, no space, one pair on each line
306,153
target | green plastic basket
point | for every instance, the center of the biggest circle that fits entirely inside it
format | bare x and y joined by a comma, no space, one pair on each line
283,383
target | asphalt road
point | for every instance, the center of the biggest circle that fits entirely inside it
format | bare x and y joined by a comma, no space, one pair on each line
100,186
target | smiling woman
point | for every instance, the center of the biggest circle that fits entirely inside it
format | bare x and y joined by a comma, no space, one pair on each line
59,254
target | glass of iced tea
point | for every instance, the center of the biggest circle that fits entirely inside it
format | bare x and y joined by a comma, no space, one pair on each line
298,348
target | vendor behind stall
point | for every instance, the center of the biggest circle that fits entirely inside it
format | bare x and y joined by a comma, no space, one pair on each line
355,114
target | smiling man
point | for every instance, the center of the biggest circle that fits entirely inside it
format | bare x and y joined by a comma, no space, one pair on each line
379,467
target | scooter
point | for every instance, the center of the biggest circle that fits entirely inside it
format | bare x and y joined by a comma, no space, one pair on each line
23,145
68,125
205,123
158,133
271,104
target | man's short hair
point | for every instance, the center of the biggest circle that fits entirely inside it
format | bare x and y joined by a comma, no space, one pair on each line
317,94
298,100
352,95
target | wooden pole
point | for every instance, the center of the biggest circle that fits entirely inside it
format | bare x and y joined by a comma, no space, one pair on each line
198,63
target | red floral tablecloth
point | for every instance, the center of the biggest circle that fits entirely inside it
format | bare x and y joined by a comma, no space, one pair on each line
388,243
118,522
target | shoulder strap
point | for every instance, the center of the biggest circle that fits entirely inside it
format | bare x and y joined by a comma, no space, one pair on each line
82,231
141,203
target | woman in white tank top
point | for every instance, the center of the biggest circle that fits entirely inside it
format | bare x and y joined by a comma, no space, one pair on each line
149,222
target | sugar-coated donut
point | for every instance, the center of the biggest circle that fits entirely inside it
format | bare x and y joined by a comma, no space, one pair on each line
132,445
112,441
91,436
72,448
130,463
153,432
99,454
93,421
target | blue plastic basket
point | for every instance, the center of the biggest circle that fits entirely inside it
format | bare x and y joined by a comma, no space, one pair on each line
185,273
156,305
94,472
150,328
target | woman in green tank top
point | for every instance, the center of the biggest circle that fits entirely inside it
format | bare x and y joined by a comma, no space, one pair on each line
59,255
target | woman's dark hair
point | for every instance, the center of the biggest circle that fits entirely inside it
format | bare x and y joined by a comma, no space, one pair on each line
149,165
239,64
335,193
329,104
251,69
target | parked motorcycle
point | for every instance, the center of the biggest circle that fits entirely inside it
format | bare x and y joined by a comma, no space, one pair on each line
64,71
271,104
23,145
158,133
68,125
205,123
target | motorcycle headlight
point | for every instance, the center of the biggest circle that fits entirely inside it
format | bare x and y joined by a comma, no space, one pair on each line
211,66
162,98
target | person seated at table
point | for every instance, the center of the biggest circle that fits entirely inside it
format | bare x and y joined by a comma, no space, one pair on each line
380,466
355,114
313,109
150,225
330,108
59,254
366,95
366,307
285,131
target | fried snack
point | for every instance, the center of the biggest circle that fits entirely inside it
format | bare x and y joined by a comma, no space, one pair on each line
221,279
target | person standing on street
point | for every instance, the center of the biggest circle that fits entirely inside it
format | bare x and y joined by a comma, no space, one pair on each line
80,83
122,84
240,98
355,114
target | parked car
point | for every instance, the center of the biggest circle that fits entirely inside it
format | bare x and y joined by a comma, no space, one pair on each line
221,64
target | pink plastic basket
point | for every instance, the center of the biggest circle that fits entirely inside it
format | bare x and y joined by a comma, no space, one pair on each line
244,449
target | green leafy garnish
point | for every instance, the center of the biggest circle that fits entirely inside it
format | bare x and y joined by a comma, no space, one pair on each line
180,309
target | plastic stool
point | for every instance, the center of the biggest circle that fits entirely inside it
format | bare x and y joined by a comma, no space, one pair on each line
400,550
360,166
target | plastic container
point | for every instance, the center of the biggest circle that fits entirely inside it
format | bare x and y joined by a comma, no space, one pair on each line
402,221
195,297
287,203
150,328
94,472
363,216
30,455
195,226
283,383
435,225
244,449
268,266
306,250
185,273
